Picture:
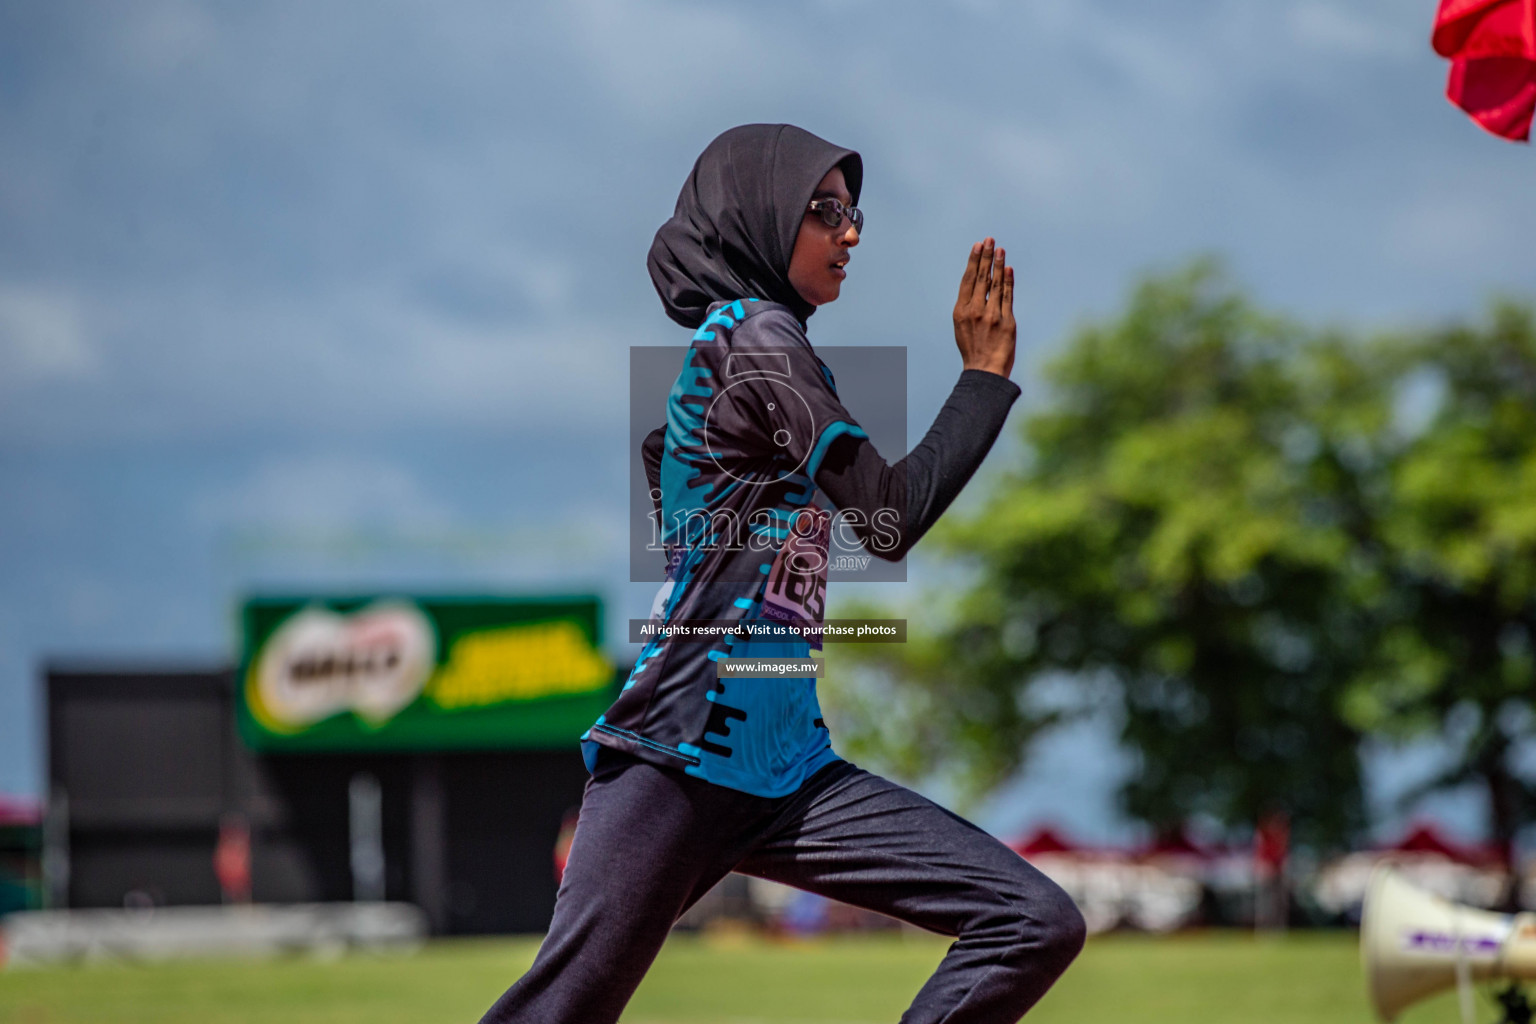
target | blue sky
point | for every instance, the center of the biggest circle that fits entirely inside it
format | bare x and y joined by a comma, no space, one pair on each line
339,296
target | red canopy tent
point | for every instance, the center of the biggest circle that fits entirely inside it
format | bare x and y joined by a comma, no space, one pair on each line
1043,840
15,810
1425,838
1177,843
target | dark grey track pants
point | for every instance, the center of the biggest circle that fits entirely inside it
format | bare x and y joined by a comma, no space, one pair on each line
650,842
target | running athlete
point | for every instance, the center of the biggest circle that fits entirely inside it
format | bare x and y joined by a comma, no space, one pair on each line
694,776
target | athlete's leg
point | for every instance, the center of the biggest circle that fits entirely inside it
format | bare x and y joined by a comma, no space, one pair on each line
648,844
864,840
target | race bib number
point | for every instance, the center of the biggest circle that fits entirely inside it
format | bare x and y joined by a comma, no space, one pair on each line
796,591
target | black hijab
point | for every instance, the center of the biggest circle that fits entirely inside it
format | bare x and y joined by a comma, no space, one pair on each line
738,216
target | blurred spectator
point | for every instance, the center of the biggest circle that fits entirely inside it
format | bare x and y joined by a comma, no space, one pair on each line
232,859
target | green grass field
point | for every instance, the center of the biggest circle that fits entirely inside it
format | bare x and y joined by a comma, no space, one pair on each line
1210,978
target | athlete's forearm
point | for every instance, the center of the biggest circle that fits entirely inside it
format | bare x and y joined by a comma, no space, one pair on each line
917,489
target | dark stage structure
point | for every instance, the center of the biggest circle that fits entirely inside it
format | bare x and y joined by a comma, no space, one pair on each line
154,799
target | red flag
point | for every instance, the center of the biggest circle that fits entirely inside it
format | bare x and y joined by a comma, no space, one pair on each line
1492,48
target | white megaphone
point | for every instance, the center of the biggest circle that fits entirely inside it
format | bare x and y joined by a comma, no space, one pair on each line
1414,944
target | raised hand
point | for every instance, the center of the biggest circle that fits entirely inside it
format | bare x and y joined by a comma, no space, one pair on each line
985,331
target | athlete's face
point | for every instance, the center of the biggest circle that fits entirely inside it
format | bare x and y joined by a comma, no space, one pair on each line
821,252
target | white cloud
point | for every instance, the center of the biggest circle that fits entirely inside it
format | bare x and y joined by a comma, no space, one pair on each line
161,37
662,57
90,602
320,222
323,491
357,361
42,336
1335,28
1444,230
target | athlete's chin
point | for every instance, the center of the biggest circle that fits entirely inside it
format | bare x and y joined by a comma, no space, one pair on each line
820,292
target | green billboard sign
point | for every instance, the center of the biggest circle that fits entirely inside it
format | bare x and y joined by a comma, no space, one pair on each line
420,673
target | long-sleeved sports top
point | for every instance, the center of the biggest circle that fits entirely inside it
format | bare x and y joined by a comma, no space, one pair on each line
754,428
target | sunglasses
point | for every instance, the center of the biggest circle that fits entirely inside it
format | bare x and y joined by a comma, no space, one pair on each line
832,212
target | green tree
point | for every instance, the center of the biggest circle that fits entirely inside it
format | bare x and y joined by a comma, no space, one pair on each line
1457,519
1260,542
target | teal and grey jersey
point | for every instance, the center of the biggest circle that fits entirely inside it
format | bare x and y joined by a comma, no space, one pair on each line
755,432
749,422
